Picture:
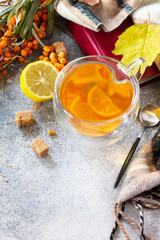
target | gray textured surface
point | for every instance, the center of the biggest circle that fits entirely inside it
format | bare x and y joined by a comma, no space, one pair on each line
69,194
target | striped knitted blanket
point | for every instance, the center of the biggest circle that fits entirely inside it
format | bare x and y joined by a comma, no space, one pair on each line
141,188
108,14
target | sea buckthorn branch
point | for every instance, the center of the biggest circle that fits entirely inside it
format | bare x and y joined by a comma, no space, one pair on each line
22,26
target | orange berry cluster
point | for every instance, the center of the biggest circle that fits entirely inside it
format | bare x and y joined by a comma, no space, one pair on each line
49,55
8,50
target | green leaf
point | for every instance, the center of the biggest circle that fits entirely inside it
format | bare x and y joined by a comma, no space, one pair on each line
18,43
29,33
10,61
21,4
35,27
51,18
17,7
29,20
35,35
6,11
139,41
12,13
46,3
18,29
3,21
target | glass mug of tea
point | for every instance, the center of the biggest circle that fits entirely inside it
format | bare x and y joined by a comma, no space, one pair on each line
97,99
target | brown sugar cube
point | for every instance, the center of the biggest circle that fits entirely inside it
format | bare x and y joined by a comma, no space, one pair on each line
24,118
60,47
51,132
39,147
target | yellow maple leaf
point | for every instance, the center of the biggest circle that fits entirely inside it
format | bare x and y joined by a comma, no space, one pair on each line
139,41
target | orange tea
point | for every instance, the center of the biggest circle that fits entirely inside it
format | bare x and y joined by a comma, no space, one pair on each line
89,93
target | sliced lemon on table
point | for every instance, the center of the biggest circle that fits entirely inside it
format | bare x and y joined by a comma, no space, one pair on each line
102,104
37,81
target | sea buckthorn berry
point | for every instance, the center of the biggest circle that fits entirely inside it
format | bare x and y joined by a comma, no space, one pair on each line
8,33
61,55
39,13
24,43
40,35
2,45
30,44
56,65
41,57
31,38
46,49
35,47
4,38
42,28
4,72
45,17
59,58
52,55
51,49
45,10
30,51
36,18
11,42
46,59
8,49
7,54
17,48
46,54
10,27
5,44
6,60
36,23
44,23
27,48
35,42
63,61
54,60
13,20
13,55
1,51
24,52
60,66
20,59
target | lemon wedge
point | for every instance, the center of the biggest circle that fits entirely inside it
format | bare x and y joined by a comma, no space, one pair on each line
37,81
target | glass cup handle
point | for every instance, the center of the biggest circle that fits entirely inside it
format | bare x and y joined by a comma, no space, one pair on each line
138,67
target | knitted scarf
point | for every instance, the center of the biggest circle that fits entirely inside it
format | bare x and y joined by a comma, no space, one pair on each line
141,188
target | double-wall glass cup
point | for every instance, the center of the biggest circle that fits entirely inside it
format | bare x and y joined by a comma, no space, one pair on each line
103,133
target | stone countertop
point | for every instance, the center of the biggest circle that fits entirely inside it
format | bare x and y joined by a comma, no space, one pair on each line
68,195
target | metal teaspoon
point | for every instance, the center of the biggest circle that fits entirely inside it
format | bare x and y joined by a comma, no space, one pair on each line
149,119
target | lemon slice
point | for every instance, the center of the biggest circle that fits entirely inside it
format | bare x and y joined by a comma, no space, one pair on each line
80,109
37,81
102,104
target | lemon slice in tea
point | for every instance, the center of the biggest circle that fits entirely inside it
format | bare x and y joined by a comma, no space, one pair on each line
37,81
101,104
80,109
